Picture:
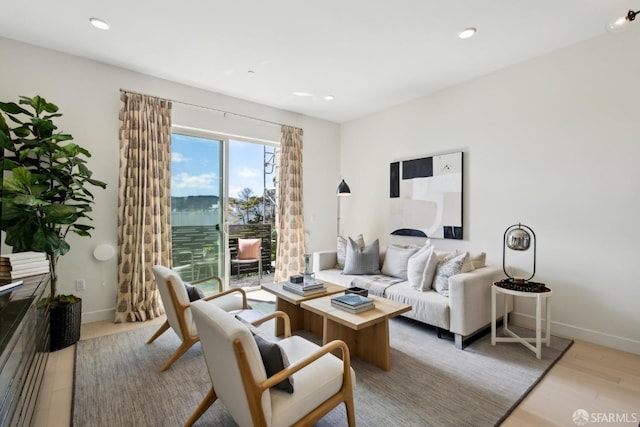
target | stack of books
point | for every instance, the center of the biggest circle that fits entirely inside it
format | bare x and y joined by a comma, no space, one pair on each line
22,264
304,289
352,303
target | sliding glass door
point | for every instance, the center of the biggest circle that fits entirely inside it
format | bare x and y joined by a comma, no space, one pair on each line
222,191
197,208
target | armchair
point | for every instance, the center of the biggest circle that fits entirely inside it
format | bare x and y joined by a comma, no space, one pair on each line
321,381
178,308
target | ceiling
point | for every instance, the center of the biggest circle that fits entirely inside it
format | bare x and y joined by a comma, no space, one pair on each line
370,55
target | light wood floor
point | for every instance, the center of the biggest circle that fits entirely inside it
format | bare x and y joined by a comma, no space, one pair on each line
596,379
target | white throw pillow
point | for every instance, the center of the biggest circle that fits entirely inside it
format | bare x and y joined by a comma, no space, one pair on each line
446,269
341,253
429,271
416,265
396,261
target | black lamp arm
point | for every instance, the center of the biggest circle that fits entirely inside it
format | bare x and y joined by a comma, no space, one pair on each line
631,15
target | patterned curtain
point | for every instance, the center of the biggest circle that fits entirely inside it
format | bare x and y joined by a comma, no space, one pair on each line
289,217
144,204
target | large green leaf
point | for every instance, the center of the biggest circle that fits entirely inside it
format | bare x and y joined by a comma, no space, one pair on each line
13,108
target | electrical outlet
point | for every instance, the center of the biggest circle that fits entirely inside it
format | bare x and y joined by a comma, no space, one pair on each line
80,285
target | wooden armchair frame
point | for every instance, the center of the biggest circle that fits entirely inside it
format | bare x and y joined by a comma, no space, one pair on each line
254,389
188,339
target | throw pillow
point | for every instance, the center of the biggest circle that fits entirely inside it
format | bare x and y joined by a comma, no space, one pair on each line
362,260
429,272
474,261
446,269
341,253
396,261
416,265
479,260
194,292
249,248
274,360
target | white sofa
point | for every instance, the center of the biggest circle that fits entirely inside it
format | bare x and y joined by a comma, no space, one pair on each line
465,312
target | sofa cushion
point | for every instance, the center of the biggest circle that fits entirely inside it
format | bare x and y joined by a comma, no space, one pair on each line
428,307
341,252
396,261
362,260
446,269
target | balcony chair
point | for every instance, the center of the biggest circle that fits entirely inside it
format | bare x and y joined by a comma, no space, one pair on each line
178,308
321,381
249,253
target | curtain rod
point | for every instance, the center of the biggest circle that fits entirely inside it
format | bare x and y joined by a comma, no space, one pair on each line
211,108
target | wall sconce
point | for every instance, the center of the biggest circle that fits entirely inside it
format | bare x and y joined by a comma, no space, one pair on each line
621,23
342,191
518,237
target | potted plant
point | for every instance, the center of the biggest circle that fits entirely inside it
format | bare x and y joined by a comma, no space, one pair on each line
45,197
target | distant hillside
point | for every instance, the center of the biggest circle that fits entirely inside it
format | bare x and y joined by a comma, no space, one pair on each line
193,203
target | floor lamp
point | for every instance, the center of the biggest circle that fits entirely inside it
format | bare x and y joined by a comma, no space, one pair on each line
342,191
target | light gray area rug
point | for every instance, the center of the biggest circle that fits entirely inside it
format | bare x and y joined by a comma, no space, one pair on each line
431,383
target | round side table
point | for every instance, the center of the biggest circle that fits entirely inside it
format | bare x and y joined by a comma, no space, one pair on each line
542,298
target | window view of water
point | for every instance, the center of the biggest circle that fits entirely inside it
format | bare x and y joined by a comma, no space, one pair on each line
197,183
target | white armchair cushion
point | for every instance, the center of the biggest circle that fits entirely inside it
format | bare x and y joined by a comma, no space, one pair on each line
313,384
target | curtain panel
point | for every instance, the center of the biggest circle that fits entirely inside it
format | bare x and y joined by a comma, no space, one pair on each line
144,204
289,213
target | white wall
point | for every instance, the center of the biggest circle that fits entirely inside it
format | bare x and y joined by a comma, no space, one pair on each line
87,93
552,143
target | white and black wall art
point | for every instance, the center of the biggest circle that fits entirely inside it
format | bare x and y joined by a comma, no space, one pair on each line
426,196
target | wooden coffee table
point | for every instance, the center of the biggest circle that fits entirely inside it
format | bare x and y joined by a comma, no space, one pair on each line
366,333
289,302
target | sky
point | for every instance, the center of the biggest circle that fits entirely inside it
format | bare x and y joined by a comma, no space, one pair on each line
195,166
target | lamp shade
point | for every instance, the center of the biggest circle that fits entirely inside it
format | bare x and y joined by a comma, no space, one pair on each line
343,189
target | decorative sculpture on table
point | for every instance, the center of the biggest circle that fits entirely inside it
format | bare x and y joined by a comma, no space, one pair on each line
519,237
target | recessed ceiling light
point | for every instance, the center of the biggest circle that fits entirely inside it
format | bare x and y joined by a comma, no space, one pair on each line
302,94
99,23
467,33
329,97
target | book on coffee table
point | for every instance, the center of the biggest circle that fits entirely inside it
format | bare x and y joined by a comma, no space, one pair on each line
354,310
304,290
352,300
352,303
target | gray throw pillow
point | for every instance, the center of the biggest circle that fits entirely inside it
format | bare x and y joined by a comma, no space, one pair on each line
194,292
274,360
447,268
362,260
341,250
396,261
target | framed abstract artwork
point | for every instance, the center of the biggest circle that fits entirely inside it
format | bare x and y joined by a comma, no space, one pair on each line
426,196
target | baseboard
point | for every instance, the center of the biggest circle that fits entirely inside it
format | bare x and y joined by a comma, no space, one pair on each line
575,332
98,316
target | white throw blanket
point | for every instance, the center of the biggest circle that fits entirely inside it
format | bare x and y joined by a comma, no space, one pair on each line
375,284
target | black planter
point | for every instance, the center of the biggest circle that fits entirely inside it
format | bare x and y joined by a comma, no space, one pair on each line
65,325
